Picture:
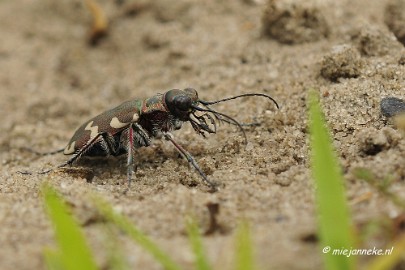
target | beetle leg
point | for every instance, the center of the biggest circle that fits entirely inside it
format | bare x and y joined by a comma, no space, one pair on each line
130,154
102,138
141,137
191,161
42,153
131,138
107,143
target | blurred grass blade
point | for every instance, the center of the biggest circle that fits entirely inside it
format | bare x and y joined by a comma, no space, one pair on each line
116,259
74,252
385,262
334,219
382,185
53,259
201,262
124,224
244,251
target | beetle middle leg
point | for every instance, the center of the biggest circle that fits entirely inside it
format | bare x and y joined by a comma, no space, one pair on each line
191,161
130,154
134,137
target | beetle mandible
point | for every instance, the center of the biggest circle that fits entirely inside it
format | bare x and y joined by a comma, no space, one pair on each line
134,124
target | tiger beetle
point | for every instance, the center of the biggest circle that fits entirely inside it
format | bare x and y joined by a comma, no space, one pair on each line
134,123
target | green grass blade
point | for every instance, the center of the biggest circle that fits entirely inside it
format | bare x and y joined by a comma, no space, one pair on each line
385,262
115,255
74,251
334,220
53,259
201,262
125,224
244,249
116,261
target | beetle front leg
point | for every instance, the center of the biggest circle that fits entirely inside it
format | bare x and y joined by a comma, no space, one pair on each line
191,161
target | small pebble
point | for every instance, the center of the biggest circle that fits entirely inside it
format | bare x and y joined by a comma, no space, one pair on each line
394,18
375,40
391,106
294,22
344,61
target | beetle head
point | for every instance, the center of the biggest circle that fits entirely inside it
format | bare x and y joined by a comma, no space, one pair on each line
184,105
180,102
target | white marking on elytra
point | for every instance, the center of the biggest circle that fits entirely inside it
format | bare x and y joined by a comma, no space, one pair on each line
135,117
116,123
93,130
70,149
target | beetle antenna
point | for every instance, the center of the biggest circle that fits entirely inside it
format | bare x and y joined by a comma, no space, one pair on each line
219,116
232,123
239,96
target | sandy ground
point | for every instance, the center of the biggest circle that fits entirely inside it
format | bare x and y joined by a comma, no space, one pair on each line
52,81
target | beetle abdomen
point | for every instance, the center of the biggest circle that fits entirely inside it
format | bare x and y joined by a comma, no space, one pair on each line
109,122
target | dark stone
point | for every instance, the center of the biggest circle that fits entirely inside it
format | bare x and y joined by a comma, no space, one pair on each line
391,106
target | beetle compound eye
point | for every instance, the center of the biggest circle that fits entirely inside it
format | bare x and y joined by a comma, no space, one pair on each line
182,103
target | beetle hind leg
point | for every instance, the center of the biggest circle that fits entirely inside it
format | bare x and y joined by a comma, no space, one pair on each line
106,142
42,153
